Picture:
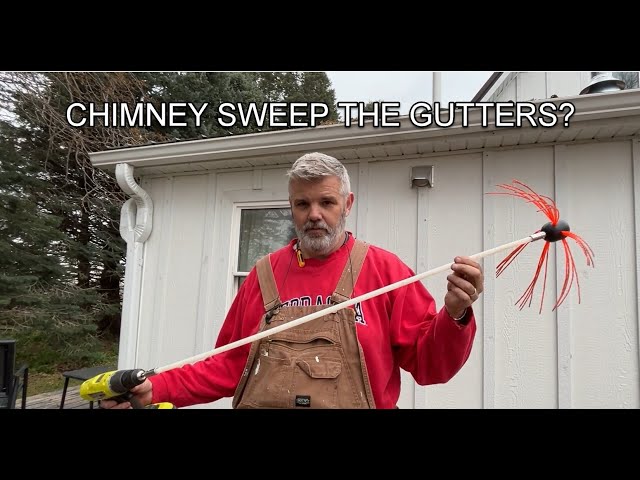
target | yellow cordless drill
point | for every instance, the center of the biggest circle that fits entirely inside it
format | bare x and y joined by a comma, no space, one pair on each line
116,385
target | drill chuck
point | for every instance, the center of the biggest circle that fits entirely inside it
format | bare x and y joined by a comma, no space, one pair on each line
124,380
112,384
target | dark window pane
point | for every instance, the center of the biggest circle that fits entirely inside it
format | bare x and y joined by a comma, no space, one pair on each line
262,231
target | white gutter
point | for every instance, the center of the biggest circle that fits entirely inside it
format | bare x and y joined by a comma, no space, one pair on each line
587,107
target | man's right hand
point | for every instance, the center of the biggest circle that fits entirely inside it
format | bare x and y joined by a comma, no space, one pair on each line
142,393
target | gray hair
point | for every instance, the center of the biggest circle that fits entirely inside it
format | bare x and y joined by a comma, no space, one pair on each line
313,166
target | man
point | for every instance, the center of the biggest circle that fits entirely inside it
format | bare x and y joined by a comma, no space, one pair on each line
349,359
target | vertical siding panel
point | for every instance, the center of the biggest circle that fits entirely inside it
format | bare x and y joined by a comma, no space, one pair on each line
391,212
166,252
451,214
391,224
153,313
563,84
563,315
206,325
525,339
531,86
353,169
221,293
604,331
362,200
489,295
635,152
182,269
422,265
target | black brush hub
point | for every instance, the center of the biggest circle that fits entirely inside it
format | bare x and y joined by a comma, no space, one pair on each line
554,233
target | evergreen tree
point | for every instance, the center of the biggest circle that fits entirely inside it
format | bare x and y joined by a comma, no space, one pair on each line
30,242
303,87
61,254
39,303
87,201
316,87
198,88
243,88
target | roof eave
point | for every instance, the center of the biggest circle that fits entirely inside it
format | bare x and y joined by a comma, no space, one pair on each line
587,107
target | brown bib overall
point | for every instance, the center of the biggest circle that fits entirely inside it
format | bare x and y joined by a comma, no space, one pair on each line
319,364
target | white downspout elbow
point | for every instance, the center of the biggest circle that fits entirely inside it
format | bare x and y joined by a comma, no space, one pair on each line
136,219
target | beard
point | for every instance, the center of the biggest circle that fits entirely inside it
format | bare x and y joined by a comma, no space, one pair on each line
321,244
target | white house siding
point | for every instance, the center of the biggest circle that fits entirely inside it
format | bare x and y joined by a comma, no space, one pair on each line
585,355
174,262
597,190
519,345
582,356
451,213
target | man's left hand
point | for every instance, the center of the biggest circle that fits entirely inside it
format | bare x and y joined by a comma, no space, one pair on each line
464,286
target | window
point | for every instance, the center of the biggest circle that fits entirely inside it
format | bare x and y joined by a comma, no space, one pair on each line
259,229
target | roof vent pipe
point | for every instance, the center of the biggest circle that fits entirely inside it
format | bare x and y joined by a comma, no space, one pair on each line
603,82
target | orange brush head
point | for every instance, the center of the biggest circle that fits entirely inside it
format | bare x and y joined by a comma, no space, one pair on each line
555,230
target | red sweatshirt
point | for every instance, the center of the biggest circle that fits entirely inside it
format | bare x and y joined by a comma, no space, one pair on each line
398,329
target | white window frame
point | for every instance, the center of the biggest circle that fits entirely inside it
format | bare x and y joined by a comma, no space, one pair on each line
234,247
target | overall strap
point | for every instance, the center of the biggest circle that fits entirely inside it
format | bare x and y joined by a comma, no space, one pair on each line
268,287
350,273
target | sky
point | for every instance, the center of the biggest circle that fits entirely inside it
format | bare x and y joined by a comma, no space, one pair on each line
405,87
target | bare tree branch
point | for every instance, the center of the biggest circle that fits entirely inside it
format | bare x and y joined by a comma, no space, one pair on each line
36,100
